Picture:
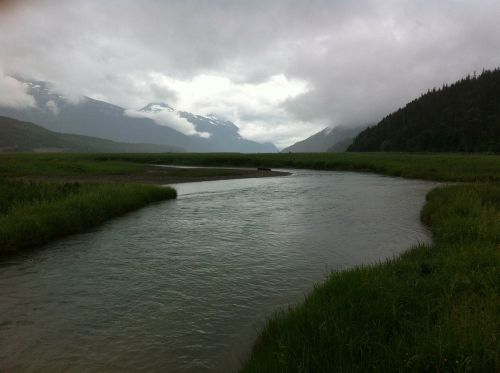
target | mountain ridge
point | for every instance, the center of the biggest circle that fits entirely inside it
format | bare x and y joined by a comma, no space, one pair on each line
95,118
461,117
328,139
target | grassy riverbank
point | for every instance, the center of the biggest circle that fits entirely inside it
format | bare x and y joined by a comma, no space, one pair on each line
34,213
47,196
435,308
439,167
106,168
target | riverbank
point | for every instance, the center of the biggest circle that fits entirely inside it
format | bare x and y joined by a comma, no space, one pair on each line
435,308
49,196
97,168
35,213
425,166
165,175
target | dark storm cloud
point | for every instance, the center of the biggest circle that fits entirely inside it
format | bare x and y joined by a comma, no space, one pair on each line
358,59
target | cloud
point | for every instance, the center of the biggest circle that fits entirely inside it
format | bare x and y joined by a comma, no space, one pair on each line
52,106
13,93
255,107
169,119
351,62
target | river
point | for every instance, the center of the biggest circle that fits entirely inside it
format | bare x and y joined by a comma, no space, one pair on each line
185,285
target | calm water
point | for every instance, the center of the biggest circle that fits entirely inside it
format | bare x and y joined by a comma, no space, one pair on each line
185,285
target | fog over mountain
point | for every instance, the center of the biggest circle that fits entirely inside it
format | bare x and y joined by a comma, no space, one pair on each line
279,70
155,123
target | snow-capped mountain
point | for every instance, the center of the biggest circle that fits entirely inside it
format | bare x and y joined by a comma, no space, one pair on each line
223,134
100,119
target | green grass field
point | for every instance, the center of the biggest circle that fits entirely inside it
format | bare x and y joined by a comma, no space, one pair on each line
34,213
28,164
440,167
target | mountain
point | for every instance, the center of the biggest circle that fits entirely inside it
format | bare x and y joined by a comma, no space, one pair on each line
224,135
462,117
342,145
96,118
329,139
17,136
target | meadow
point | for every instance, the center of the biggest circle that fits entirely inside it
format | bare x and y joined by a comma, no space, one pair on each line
438,166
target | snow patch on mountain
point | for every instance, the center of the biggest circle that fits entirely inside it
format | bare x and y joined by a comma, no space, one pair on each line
156,107
164,115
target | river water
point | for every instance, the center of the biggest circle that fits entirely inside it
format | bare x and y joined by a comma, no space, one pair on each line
185,285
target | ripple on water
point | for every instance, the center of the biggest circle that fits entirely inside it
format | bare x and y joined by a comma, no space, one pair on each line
185,285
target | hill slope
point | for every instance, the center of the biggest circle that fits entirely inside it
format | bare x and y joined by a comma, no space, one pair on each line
463,117
17,136
328,139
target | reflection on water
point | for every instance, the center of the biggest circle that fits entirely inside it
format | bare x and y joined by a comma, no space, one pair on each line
185,285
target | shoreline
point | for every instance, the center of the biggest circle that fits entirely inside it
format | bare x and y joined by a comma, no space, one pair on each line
165,175
398,297
29,220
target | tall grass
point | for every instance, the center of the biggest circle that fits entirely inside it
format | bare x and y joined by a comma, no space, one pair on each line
33,213
435,308
15,165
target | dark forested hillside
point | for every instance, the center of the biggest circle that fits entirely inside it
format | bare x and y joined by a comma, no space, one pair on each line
462,117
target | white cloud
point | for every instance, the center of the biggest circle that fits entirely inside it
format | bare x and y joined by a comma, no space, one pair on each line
256,108
169,119
276,68
52,106
284,131
13,93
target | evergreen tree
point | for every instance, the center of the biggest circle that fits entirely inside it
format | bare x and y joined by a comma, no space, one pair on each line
462,117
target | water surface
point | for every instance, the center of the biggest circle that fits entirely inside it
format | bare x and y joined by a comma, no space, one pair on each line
185,285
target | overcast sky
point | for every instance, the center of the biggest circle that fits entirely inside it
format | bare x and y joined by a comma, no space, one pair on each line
281,70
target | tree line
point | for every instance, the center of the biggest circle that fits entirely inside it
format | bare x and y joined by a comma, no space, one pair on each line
462,117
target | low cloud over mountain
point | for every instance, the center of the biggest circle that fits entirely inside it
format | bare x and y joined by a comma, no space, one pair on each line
155,123
280,70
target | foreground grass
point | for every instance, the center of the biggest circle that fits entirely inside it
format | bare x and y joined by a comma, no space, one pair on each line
34,213
435,308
